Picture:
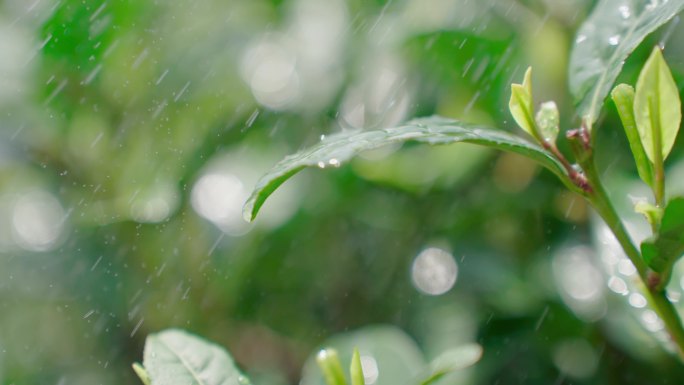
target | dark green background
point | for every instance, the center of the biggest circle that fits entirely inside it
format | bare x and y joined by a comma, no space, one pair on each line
111,112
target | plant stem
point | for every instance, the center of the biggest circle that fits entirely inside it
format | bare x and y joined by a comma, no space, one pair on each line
657,298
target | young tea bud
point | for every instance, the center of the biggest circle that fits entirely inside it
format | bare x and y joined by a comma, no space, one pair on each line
548,121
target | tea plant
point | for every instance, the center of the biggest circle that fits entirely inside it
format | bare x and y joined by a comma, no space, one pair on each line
176,357
650,113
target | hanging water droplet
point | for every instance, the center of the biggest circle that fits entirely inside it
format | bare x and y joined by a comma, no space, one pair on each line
614,40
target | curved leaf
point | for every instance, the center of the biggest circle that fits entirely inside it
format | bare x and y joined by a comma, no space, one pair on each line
612,31
175,357
336,149
453,360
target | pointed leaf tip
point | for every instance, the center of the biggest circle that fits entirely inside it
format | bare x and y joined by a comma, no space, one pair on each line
521,104
527,80
356,369
329,363
657,107
142,373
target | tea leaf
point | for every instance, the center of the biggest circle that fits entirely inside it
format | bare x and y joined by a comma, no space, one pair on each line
393,357
337,149
668,246
548,121
142,373
453,360
623,96
611,32
657,108
176,357
329,363
356,370
521,104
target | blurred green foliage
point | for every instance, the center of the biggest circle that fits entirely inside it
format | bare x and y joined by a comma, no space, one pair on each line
131,132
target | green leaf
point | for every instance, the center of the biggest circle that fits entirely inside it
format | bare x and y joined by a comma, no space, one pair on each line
336,149
329,363
451,361
657,108
521,104
356,370
653,213
611,32
142,373
176,357
548,121
668,246
391,356
623,96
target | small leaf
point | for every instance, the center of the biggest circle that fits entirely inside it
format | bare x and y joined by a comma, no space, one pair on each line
605,39
176,357
521,104
389,355
453,360
356,370
142,373
548,121
329,363
657,108
623,96
653,214
668,246
433,130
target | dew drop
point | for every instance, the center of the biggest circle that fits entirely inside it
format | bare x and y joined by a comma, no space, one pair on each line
614,40
625,12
